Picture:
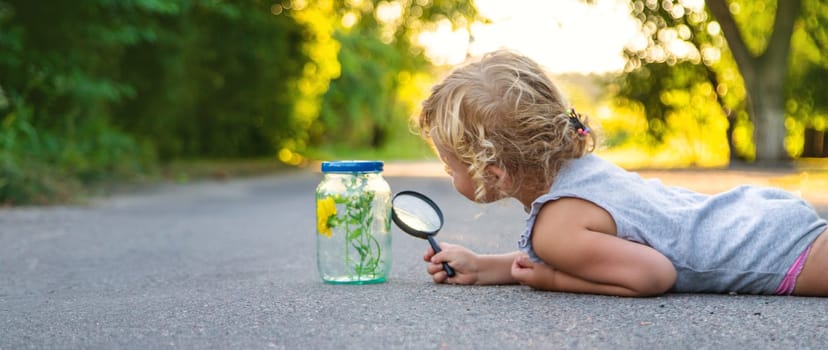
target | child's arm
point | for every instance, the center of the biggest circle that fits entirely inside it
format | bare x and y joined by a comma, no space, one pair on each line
576,238
544,277
469,267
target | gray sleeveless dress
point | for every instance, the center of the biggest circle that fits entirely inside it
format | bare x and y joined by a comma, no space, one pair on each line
743,240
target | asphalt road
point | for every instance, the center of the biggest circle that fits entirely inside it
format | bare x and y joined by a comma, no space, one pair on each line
231,265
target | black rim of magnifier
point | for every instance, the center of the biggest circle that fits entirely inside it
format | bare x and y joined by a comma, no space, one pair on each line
424,198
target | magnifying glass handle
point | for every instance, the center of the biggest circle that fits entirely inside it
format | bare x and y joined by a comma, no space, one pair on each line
436,247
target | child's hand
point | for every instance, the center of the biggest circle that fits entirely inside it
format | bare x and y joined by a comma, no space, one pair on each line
535,275
464,262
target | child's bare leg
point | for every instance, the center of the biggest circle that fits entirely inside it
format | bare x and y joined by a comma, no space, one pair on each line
813,280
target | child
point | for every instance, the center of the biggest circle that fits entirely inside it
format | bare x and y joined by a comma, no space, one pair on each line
503,130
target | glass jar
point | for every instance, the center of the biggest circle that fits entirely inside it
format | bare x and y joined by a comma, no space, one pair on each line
353,223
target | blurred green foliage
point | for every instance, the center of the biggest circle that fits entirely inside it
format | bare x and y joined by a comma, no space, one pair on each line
97,89
100,89
369,101
59,74
92,90
807,99
378,57
682,50
217,82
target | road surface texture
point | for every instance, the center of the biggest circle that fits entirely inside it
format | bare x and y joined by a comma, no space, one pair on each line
231,265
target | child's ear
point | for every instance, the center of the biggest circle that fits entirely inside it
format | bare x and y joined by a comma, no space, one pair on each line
500,176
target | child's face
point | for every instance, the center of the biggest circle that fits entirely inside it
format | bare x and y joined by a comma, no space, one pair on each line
459,174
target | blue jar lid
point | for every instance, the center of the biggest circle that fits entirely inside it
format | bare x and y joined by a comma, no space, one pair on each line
352,166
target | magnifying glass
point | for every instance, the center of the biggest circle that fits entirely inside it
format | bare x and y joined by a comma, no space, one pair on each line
420,217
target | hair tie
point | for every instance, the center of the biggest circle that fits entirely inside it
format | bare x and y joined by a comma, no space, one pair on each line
579,126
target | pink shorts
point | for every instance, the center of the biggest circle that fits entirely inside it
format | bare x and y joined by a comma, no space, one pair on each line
789,282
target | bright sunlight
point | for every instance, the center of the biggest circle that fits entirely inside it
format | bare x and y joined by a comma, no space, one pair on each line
566,36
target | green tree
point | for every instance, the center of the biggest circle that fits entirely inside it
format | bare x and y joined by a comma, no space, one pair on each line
377,54
218,82
359,104
96,87
754,37
805,88
58,71
764,71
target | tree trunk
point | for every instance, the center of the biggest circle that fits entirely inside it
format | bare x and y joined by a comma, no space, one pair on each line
815,144
767,108
763,75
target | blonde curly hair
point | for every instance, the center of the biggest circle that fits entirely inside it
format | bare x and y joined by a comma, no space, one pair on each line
505,111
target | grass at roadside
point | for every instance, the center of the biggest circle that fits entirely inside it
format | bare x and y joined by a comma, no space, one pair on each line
808,176
401,147
220,169
384,154
179,171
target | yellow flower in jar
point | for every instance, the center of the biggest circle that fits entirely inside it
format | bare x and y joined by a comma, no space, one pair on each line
325,208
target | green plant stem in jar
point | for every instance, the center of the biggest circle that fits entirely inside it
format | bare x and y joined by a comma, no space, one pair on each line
353,223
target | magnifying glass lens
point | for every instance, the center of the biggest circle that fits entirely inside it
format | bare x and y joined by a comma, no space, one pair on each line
419,216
